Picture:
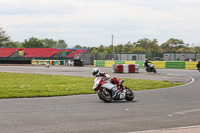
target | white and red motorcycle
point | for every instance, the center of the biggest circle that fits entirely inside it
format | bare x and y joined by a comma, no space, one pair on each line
105,90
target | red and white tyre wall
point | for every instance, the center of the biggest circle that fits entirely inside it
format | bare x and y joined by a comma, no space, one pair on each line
125,68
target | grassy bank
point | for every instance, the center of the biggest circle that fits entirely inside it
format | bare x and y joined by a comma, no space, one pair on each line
16,85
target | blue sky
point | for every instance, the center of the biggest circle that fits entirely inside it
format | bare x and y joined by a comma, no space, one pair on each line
93,22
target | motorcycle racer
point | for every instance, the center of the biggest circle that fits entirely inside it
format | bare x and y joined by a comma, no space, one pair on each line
198,65
96,73
149,66
146,61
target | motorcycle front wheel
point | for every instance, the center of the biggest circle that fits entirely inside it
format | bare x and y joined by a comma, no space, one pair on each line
129,94
148,69
105,95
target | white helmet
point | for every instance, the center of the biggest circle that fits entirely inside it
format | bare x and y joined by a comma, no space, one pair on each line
96,71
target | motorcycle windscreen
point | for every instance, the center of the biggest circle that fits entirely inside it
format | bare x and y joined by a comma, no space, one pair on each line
96,83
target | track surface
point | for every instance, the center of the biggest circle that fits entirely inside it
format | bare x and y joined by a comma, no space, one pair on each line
151,110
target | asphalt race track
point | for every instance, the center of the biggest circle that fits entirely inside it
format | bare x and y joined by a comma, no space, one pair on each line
151,110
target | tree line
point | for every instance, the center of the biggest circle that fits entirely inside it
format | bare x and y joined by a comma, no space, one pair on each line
144,45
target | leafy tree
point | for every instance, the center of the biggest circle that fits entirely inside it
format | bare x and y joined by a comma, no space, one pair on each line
61,44
49,43
32,43
172,45
118,48
101,49
11,45
127,47
137,50
78,46
5,40
143,43
108,50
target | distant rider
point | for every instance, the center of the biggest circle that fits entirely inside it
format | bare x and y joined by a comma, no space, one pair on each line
96,72
146,62
198,65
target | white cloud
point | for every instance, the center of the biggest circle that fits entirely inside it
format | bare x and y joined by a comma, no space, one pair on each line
92,22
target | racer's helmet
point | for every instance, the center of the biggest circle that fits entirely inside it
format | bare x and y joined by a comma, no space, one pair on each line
96,72
146,60
198,61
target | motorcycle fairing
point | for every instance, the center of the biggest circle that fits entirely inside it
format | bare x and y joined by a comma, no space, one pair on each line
109,85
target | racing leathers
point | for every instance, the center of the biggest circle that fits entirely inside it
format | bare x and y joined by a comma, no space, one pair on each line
146,63
198,66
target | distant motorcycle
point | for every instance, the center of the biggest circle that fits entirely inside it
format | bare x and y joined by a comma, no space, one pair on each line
104,88
150,68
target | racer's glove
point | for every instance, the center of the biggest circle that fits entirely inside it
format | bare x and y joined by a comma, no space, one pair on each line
107,76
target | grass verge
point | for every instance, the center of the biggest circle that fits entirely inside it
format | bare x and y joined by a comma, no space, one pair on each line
18,85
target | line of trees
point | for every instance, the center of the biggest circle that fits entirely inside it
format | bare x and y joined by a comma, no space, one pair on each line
145,45
148,46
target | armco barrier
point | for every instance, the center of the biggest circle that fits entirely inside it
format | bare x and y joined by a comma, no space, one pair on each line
190,65
130,62
140,63
99,63
119,62
109,63
175,64
157,64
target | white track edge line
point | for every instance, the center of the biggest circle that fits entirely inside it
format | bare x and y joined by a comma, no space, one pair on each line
176,128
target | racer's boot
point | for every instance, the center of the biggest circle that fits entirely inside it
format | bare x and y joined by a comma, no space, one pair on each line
120,84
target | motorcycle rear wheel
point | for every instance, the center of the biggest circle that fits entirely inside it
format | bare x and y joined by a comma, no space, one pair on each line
154,70
105,95
129,94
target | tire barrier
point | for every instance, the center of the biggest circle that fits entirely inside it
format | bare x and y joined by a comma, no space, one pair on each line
74,62
44,62
125,68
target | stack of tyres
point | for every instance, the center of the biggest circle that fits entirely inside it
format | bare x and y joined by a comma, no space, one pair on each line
125,68
114,68
119,68
136,68
132,68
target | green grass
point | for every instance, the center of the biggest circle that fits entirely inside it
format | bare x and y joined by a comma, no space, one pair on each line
18,85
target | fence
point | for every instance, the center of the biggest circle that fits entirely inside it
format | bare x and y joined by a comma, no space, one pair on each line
88,58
